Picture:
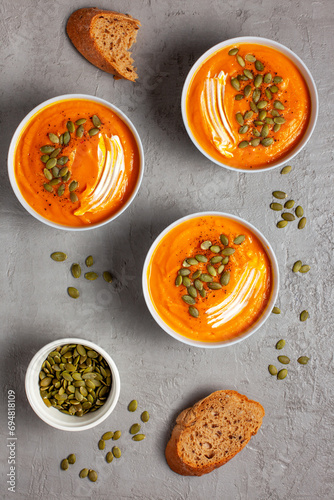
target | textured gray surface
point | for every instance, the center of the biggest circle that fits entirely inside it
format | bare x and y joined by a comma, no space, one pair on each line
290,458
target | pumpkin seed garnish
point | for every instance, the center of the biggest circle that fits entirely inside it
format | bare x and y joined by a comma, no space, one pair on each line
212,270
253,107
91,276
58,256
45,158
256,95
61,190
215,286
186,281
192,291
233,52
206,278
198,285
238,97
276,127
52,162
278,79
280,344
249,74
243,130
239,118
206,245
255,142
64,464
193,311
259,66
93,131
192,262
224,239
216,259
73,197
282,223
47,149
247,91
267,141
67,138
70,127
299,211
250,58
228,251
280,195
284,360
278,105
96,121
258,81
92,475
184,272
304,315
201,258
80,131
282,374
196,274
73,185
304,269
303,360
54,138
145,416
276,310
55,153
302,223
225,278
116,452
272,370
235,83
287,216
73,292
133,405
47,174
188,299
276,206
83,473
267,78
241,61
76,270
62,160
178,280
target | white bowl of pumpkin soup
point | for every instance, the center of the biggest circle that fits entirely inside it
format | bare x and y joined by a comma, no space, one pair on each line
249,104
210,279
76,162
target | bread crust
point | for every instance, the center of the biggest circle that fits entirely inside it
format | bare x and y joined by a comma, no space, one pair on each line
79,31
187,419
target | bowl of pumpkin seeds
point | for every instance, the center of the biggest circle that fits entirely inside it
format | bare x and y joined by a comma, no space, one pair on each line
72,384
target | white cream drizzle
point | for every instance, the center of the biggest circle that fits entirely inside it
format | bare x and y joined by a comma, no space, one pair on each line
212,103
110,174
238,300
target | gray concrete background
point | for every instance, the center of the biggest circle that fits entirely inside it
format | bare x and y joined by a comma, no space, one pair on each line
291,456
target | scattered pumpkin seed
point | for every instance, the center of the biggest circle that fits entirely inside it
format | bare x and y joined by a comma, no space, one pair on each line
55,153
117,435
93,131
255,142
276,127
54,138
243,130
184,272
206,245
52,162
233,52
262,104
276,206
247,91
63,171
283,359
134,428
248,115
280,344
71,459
61,190
215,286
249,74
241,61
258,81
67,138
55,172
202,293
109,457
133,405
107,435
302,223
47,149
192,291
282,374
186,281
297,266
188,300
259,66
92,476
215,248
193,311
73,292
224,239
116,452
64,464
102,444
287,216
228,251
272,370
253,106
198,285
178,280
278,79
70,127
225,278
138,437
267,141
276,310
96,121
83,473
289,204
73,197
220,268
73,186
256,96
192,262
47,174
45,158
58,256
250,58
89,261
201,258
62,160
145,416
278,105
238,97
303,360
304,269
107,277
282,223
91,276
239,118
304,315
299,211
280,195
76,270
216,259
267,78
80,131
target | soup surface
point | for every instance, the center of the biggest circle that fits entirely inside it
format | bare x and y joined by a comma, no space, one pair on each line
210,279
248,105
76,162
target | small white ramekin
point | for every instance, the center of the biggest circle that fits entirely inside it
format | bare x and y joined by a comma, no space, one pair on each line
264,316
51,415
16,137
303,70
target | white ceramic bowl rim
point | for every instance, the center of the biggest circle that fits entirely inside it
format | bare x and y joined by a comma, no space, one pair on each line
306,75
18,132
257,324
54,417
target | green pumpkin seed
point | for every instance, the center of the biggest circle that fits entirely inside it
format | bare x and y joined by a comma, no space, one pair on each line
63,171
67,138
73,292
102,444
206,245
109,457
184,272
81,121
267,78
201,258
276,127
274,89
262,114
247,90
299,211
238,97
287,216
269,121
134,428
216,259
52,162
117,434
196,274
276,310
289,204
282,374
193,312
256,96
92,476
62,160
192,262
54,182
235,83
274,112
55,172
280,195
228,251
303,360
268,94
302,223
47,174
215,248
206,278
297,266
107,276
272,370
233,52
61,190
116,452
73,197
225,260
284,360
248,115
259,66
224,239
276,206
93,131
258,81
71,459
255,142
47,149
61,139
80,131
249,74
73,185
304,269
45,158
215,286
265,131
58,256
243,144
253,107
225,278
241,61
220,269
192,291
64,464
186,281
188,299
243,129
70,127
250,58
212,271
239,118
107,435
83,473
278,105
262,104
278,79
54,138
133,405
138,437
282,223
279,120
91,276
257,134
258,123
198,284
304,315
280,344
76,270
145,416
202,293
96,121
55,153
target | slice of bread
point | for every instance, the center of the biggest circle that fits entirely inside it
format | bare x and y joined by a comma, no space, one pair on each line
104,38
212,432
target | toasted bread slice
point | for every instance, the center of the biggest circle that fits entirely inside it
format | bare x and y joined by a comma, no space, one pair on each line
212,432
104,38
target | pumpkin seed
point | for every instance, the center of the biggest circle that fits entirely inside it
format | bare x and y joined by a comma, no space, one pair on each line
107,277
52,162
259,66
278,79
282,223
202,293
299,211
89,261
54,182
134,428
258,80
96,121
186,281
133,405
287,216
289,204
280,195
250,58
276,310
262,114
64,464
206,278
47,149
61,139
235,83
45,158
303,360
54,138
233,52
272,370
253,107
71,459
91,276
63,171
193,312
107,435
256,95
145,416
192,262
206,245
282,374
297,266
267,78
70,127
58,256
304,315
184,272
212,271
93,131
216,259
243,144
284,360
276,206
73,292
102,444
274,112
255,142
83,473
225,278
47,174
215,248
256,133
238,97
268,94
62,160
215,286
276,127
76,270
116,452
265,131
279,120
55,153
243,130
228,251
225,260
109,457
247,91
248,115
188,299
139,437
220,269
224,239
262,104
81,121
196,274
73,186
92,476
201,258
80,131
274,89
55,172
302,223
258,122
304,269
278,105
73,197
67,138
61,190
241,61
117,434
269,121
249,74
239,118
198,285
280,344
192,291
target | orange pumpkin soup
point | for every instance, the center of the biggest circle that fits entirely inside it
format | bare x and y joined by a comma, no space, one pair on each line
210,278
76,162
248,105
